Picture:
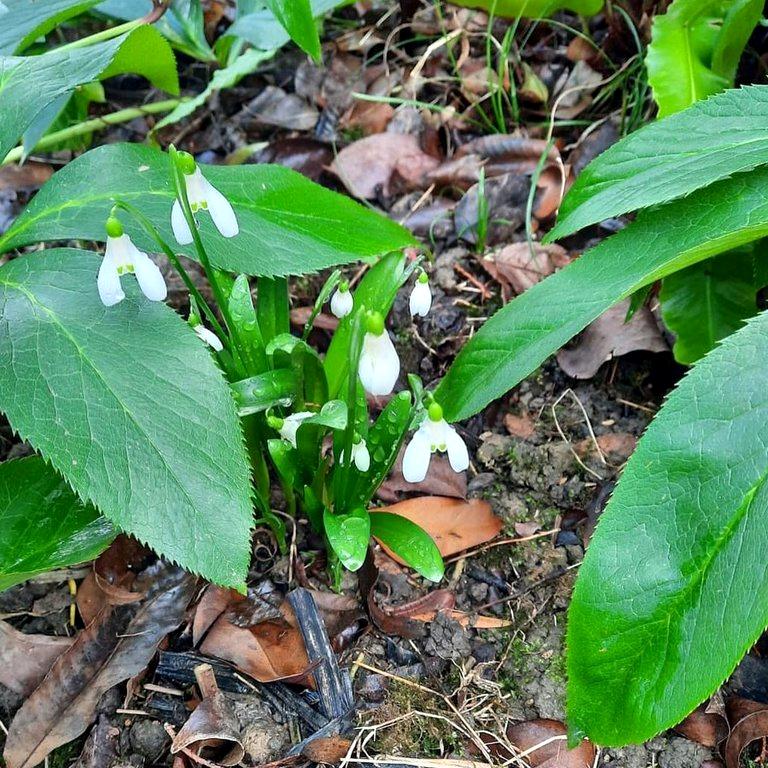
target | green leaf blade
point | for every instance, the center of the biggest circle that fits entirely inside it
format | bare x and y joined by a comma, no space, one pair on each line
714,139
296,17
288,225
127,404
43,525
409,542
672,591
349,536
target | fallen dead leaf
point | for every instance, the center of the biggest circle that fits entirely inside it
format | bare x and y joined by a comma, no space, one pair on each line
455,525
520,426
555,754
471,620
101,746
329,750
25,177
212,732
441,480
750,728
115,646
616,445
706,728
550,192
26,659
516,267
300,315
370,163
528,528
608,337
370,117
273,106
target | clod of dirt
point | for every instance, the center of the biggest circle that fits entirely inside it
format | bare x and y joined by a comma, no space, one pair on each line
148,738
263,738
447,639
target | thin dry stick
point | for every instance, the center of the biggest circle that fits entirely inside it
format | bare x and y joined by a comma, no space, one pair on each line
589,427
501,543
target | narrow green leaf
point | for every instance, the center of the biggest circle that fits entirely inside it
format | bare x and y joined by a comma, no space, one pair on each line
521,335
28,84
243,315
707,302
672,591
741,18
288,225
296,17
266,390
534,9
273,307
409,542
23,21
711,140
43,525
349,536
128,405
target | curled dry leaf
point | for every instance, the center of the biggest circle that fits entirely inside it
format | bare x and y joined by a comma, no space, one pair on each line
519,267
706,728
370,117
115,646
455,525
750,728
441,480
212,732
370,163
26,659
608,337
543,741
327,751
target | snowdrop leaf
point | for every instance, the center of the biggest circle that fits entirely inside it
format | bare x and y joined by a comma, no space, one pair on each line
412,544
128,405
265,390
349,536
288,225
29,84
43,525
652,633
296,17
521,335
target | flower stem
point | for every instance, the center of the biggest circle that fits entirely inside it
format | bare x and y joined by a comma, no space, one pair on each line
94,124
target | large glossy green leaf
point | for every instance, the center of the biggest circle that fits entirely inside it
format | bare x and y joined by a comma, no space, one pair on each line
127,404
22,21
288,225
712,140
43,525
521,335
673,589
534,9
409,542
349,536
28,84
708,301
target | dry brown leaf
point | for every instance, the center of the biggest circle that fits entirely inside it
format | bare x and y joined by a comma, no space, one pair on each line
370,117
608,337
616,445
471,620
26,659
750,728
519,268
441,480
706,728
455,525
327,751
520,426
526,736
214,601
115,646
370,163
300,315
551,191
212,732
273,106
267,651
25,177
528,528
101,746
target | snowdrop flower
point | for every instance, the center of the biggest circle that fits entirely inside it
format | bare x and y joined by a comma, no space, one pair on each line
360,455
209,337
421,296
202,196
379,363
121,256
435,434
342,301
289,426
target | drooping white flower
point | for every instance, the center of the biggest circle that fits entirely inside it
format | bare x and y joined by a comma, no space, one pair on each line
209,337
290,426
121,256
434,434
360,455
379,363
342,302
421,296
203,196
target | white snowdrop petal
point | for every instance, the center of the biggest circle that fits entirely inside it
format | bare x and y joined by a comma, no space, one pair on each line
421,299
221,210
181,230
291,426
361,456
342,303
209,337
458,456
379,364
416,458
149,277
108,282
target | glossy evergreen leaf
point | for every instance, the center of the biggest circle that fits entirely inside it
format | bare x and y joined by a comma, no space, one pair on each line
43,525
296,17
672,592
29,84
708,301
23,21
671,158
288,225
128,405
534,9
521,335
409,542
349,536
